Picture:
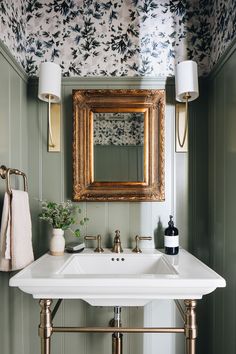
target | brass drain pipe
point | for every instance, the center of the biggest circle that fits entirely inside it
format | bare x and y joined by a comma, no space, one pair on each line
117,337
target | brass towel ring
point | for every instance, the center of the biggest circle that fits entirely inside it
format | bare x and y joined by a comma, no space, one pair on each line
5,174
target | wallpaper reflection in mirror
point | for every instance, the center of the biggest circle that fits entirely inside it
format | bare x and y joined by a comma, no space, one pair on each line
118,147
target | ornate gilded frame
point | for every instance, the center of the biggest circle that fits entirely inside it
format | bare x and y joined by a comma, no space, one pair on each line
152,104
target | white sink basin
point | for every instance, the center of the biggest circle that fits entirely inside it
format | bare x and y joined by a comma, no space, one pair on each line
125,279
121,264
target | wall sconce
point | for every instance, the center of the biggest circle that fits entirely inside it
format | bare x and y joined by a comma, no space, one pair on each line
49,90
186,86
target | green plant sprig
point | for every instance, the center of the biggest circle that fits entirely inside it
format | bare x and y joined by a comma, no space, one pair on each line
62,215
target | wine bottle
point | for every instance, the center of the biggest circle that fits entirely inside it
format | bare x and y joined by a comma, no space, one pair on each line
171,241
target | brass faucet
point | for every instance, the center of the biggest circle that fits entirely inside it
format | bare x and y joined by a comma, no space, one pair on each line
99,248
137,239
117,243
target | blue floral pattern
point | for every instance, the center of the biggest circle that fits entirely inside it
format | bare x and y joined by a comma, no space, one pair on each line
118,129
223,28
117,37
13,28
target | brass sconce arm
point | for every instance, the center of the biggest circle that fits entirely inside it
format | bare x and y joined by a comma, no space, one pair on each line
51,141
187,96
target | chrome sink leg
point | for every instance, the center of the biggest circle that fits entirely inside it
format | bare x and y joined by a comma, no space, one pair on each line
45,326
190,326
117,338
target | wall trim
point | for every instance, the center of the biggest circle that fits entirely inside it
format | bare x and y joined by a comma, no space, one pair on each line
94,82
223,59
12,61
116,82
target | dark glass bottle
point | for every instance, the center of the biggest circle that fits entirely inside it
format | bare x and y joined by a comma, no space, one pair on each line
171,241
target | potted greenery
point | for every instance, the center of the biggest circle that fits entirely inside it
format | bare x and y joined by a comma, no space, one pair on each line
61,216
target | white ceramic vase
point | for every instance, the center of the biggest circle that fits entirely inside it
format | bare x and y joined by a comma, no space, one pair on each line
57,242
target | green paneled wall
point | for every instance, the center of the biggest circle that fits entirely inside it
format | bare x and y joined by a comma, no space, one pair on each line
199,238
23,137
213,201
13,152
222,132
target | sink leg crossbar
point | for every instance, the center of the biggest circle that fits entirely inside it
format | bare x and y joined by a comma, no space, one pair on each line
46,328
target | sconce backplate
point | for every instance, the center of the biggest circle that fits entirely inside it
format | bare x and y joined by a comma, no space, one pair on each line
56,128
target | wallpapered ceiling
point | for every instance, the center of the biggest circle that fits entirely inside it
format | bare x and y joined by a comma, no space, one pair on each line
13,28
117,38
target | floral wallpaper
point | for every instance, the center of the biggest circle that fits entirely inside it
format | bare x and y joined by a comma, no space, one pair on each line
13,28
117,37
223,27
118,129
110,38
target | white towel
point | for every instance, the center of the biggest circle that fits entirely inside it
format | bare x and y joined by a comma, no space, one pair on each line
16,250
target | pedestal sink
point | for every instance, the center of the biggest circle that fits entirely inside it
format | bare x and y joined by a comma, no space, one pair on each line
125,279
111,279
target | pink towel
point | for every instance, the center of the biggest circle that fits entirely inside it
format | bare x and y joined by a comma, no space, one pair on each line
16,250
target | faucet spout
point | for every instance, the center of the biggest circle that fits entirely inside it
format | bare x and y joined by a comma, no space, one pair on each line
117,243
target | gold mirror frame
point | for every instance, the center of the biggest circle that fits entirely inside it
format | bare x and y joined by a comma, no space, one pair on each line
87,102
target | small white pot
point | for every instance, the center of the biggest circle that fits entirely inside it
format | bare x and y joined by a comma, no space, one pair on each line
57,242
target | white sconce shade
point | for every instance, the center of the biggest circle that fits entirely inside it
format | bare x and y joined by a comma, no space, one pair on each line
49,82
186,81
49,90
186,87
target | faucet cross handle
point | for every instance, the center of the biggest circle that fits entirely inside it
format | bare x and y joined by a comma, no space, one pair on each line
117,234
99,248
137,239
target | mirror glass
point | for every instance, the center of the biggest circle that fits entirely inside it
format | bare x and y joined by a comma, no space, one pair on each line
118,143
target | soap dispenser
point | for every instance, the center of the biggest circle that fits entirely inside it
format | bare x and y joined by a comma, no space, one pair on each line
171,238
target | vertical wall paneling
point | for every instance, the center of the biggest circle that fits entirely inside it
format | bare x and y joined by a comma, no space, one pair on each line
198,175
35,163
5,103
5,156
105,218
23,144
161,313
215,243
230,197
219,206
13,153
199,239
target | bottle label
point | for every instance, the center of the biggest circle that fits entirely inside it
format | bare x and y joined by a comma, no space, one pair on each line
171,241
